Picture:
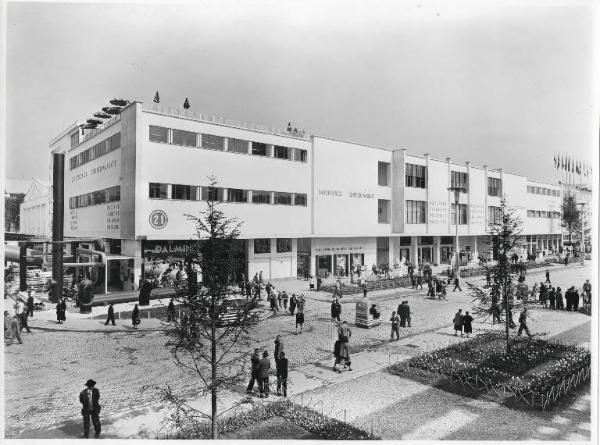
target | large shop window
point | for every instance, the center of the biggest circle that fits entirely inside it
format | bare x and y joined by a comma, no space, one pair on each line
262,245
213,142
459,179
238,195
186,192
383,173
494,214
261,197
158,191
462,214
212,194
159,134
415,176
300,199
259,149
415,212
238,146
185,138
494,187
284,245
282,198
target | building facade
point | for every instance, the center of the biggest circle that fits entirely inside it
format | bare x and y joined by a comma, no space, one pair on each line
36,211
308,204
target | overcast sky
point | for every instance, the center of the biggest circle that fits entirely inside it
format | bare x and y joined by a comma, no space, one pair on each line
505,84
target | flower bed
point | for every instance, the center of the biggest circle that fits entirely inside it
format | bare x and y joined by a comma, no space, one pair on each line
536,372
318,424
372,285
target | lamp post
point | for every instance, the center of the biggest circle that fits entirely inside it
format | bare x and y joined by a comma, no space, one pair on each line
457,191
582,242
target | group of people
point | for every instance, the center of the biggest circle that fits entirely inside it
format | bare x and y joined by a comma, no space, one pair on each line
260,369
552,297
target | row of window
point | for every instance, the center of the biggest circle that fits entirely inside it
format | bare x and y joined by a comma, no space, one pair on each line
263,245
110,194
415,177
203,193
98,150
543,214
542,191
212,142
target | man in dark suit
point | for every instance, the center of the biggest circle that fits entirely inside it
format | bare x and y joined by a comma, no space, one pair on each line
111,315
30,305
90,408
282,375
255,364
263,374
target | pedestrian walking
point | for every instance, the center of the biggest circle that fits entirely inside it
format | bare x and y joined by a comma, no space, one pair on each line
457,284
278,349
344,334
364,288
467,321
523,323
293,303
23,322
171,311
547,276
30,304
111,315
420,279
254,368
135,317
395,326
61,311
11,329
458,324
248,290
282,375
279,299
300,315
284,299
407,312
402,314
336,310
430,289
89,399
264,368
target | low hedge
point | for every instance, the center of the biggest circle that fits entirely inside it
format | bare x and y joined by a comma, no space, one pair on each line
310,420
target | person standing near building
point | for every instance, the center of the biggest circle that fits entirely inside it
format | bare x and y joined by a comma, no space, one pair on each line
254,367
336,310
344,334
30,304
61,311
111,315
264,368
282,375
89,399
300,314
135,317
364,288
457,284
523,323
23,324
395,326
458,323
407,312
293,303
171,311
278,350
467,321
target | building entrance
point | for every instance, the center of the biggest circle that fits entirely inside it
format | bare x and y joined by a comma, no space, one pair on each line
324,265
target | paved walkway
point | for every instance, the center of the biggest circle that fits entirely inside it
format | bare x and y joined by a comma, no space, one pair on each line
124,361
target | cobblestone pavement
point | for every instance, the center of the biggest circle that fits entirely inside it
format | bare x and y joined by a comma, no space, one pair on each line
55,360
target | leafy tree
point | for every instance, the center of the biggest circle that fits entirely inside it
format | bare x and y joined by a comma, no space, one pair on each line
504,239
570,216
212,338
12,211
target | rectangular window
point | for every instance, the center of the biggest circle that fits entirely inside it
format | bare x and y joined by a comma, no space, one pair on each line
212,194
462,214
238,195
261,197
415,212
284,245
186,192
300,199
75,139
213,142
158,191
383,211
282,198
262,245
98,197
494,214
494,187
301,155
259,149
159,134
446,240
415,176
115,141
185,138
383,173
237,146
280,152
113,193
459,179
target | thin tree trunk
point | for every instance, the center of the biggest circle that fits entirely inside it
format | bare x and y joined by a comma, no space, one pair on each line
213,362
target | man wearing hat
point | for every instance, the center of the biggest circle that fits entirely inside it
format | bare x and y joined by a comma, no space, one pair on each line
90,407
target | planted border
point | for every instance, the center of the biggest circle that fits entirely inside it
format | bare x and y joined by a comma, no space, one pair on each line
482,365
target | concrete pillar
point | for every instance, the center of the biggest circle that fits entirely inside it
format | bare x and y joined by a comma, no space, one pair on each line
398,202
414,249
395,250
436,250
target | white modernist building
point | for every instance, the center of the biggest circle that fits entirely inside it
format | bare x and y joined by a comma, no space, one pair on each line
36,210
307,203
